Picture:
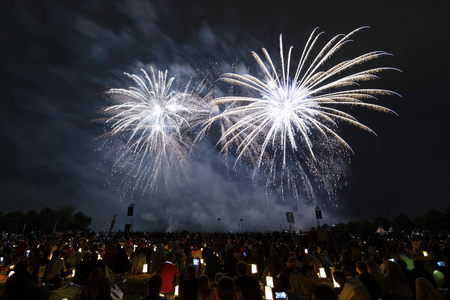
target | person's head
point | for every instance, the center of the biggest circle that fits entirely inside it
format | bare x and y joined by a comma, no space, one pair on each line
218,276
305,262
292,262
365,256
96,273
273,252
203,283
323,291
372,266
190,272
169,257
346,255
21,267
426,290
395,272
57,282
402,264
154,285
339,277
56,254
361,267
226,288
348,271
46,253
241,268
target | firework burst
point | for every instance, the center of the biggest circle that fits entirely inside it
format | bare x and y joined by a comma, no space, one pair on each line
154,121
287,119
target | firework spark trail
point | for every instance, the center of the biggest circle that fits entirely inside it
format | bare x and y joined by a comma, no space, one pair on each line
297,117
154,119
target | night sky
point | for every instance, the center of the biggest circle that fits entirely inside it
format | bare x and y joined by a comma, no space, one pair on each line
58,57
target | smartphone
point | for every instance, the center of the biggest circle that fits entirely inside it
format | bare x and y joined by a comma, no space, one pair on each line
245,254
441,263
196,261
280,295
392,259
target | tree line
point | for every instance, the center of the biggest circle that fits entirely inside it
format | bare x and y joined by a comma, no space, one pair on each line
432,221
46,220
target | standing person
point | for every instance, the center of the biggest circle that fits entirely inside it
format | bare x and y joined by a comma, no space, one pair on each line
212,263
247,284
169,273
230,262
189,284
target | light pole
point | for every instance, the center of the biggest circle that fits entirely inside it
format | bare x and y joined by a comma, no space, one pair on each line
242,227
218,224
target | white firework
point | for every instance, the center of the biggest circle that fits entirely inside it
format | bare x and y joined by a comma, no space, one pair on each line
154,119
295,112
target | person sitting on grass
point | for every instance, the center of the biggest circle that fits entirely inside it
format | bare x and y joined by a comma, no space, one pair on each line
61,291
97,287
204,288
226,289
17,283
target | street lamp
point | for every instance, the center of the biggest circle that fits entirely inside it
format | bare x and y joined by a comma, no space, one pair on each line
242,227
218,224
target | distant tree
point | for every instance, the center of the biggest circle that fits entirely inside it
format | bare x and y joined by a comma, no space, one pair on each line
80,222
64,217
353,227
432,221
16,220
403,223
47,218
367,228
3,221
32,219
383,222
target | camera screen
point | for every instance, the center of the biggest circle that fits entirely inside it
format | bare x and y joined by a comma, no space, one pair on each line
196,261
280,295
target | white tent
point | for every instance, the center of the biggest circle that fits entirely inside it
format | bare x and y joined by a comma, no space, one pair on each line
381,231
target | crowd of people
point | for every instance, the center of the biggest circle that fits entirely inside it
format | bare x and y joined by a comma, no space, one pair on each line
319,264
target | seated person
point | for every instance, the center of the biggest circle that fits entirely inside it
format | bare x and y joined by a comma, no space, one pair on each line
61,291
